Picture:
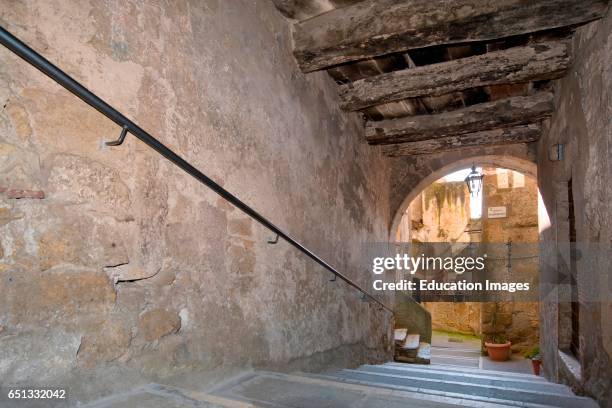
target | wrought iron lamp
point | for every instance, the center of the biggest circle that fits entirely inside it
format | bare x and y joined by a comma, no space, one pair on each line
474,181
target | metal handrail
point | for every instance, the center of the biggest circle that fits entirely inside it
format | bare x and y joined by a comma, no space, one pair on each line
38,61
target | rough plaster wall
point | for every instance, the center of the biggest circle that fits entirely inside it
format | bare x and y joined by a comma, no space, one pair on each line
582,122
216,82
444,213
461,317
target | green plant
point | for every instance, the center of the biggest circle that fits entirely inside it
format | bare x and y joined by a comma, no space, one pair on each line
497,338
533,353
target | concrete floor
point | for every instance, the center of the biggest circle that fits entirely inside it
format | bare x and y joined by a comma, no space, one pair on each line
462,350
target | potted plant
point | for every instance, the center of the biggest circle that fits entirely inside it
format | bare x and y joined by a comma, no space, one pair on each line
498,346
536,358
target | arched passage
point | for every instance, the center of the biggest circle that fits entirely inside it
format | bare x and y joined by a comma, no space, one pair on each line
438,211
414,187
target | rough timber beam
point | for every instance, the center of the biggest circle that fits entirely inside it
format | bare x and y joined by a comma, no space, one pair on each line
377,27
534,62
518,110
500,136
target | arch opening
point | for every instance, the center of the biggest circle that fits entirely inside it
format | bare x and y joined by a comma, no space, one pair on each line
441,211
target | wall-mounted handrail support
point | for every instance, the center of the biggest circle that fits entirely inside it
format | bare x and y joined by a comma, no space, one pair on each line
273,241
38,61
119,141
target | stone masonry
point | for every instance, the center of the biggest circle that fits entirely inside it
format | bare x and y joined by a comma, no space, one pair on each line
114,261
583,125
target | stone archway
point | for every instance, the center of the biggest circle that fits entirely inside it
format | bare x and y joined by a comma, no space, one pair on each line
413,186
467,317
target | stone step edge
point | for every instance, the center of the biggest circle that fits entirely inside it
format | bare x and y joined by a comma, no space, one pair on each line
588,402
450,367
413,360
465,383
426,394
484,376
405,392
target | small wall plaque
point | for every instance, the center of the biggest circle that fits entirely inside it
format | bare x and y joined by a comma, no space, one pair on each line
496,212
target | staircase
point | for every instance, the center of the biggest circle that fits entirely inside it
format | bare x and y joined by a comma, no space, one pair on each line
410,349
390,385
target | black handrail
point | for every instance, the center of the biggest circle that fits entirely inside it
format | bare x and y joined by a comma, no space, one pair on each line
38,61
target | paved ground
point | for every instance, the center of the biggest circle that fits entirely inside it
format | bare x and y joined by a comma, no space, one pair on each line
461,350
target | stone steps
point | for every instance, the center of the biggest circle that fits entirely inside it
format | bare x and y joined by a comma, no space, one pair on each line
265,389
418,355
513,393
467,370
410,349
487,386
483,378
390,385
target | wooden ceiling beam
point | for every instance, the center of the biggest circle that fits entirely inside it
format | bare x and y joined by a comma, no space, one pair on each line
500,136
507,112
533,62
376,27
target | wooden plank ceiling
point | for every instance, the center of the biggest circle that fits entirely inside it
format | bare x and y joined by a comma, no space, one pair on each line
438,75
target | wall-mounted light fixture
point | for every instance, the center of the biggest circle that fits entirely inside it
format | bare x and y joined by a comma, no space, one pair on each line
556,152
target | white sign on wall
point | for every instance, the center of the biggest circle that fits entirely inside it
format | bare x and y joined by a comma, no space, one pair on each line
496,212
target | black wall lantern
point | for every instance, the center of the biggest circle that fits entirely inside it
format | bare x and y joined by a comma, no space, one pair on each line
474,181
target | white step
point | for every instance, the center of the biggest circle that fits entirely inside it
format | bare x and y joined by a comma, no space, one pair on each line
451,368
266,389
412,342
443,351
482,378
399,335
277,390
513,396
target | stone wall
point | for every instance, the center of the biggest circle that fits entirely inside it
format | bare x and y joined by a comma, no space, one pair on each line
518,193
459,317
116,267
441,213
582,124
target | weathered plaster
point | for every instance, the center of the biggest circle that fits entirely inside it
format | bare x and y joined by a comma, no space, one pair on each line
180,281
582,123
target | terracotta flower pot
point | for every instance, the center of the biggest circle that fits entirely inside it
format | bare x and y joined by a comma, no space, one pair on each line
498,352
536,364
